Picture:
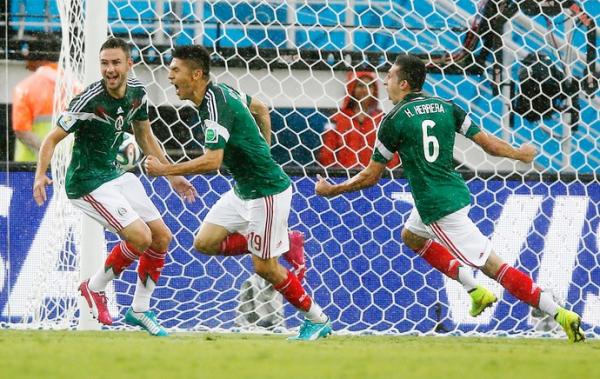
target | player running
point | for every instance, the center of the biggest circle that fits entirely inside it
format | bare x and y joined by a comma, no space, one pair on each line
97,186
253,216
422,130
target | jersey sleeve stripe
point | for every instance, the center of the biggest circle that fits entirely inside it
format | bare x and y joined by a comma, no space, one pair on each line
132,80
212,106
135,83
222,131
85,100
465,125
86,96
383,150
68,119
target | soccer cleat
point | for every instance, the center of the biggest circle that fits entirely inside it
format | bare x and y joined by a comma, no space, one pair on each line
571,323
310,331
481,298
147,320
97,303
295,256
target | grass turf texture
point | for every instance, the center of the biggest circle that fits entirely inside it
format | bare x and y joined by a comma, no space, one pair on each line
108,355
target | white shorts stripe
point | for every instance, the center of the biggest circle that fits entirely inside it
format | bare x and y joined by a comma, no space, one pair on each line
443,237
266,217
268,225
103,212
457,232
118,203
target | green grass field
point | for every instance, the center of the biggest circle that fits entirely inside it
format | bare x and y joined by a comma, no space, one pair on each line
70,354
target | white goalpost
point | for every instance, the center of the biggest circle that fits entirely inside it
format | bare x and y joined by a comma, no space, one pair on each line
297,57
93,245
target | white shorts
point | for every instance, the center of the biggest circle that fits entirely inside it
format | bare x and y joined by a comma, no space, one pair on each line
458,233
118,203
264,221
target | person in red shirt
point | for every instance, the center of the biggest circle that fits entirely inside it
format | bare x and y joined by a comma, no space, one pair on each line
348,141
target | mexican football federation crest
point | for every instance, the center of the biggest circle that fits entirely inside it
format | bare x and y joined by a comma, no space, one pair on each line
119,123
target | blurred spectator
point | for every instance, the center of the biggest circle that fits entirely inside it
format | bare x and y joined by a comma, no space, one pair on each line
352,131
33,98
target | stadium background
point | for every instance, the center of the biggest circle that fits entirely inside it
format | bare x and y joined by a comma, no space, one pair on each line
358,268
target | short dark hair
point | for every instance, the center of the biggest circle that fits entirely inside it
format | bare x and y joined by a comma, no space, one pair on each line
116,43
197,54
412,69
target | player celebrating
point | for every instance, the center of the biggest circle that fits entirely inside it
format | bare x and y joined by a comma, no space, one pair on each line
95,184
253,216
422,129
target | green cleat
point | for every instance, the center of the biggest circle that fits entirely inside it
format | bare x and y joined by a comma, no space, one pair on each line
571,323
310,331
147,320
482,298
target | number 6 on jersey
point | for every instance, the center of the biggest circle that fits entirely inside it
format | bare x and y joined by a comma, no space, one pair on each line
429,140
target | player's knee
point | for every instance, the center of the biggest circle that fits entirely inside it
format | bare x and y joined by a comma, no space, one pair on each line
407,238
161,240
206,246
141,240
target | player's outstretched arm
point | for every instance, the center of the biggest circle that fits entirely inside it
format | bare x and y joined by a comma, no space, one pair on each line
210,161
45,155
147,140
150,146
364,179
260,112
500,148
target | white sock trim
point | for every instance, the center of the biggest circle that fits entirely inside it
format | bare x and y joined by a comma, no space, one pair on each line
466,278
315,314
547,304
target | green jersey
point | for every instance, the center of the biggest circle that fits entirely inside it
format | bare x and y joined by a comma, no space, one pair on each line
229,125
422,129
99,121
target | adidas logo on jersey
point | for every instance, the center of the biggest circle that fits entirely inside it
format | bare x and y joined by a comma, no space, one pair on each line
120,110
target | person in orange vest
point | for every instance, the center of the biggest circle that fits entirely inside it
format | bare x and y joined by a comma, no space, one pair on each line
350,135
33,99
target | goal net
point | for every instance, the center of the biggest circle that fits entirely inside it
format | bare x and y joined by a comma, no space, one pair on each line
526,71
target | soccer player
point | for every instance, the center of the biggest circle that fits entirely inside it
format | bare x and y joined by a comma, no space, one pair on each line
97,186
253,216
422,130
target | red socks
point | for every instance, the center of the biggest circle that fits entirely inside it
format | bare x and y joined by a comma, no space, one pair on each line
519,285
123,254
120,257
440,258
234,244
293,292
151,264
